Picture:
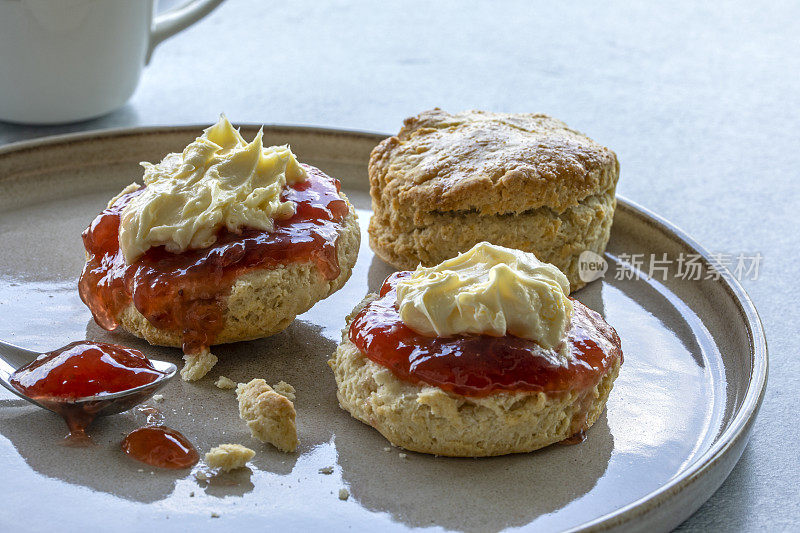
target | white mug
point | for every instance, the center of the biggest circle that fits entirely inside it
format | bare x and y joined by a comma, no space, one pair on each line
68,60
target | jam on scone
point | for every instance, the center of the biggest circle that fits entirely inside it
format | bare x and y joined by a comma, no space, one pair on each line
483,354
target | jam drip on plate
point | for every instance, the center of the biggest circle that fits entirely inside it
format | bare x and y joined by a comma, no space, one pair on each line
479,365
80,370
186,292
160,446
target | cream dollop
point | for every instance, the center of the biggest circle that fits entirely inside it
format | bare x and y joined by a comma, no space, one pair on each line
489,290
219,180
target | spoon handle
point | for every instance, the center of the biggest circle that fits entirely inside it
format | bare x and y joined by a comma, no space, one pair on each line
11,358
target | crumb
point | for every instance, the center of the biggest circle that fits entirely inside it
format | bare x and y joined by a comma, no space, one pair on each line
225,383
229,457
200,475
197,365
387,449
140,469
158,398
214,515
191,494
344,494
284,389
269,415
402,455
326,470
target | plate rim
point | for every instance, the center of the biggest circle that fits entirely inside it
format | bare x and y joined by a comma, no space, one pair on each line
742,421
732,440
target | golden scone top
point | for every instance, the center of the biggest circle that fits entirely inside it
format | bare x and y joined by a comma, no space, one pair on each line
219,180
490,290
494,163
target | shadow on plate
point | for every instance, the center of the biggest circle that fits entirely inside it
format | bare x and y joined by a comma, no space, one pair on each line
234,483
37,435
487,494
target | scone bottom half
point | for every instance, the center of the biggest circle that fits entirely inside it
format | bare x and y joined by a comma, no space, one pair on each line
527,181
426,418
257,300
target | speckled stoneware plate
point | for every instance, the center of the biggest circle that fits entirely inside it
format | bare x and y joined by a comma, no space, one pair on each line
677,420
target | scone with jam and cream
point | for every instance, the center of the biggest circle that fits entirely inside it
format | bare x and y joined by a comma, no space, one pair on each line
227,241
484,354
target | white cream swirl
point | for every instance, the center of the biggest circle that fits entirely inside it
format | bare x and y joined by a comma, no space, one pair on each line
489,290
218,181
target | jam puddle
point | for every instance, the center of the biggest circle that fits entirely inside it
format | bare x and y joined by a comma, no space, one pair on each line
161,447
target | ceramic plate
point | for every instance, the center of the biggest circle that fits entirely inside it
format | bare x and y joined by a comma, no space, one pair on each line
677,420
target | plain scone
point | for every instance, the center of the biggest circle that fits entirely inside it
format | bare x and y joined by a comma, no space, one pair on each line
427,419
448,181
265,301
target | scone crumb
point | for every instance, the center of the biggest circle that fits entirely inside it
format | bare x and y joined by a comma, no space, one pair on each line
229,457
403,455
269,415
214,514
344,494
326,470
284,389
200,475
197,365
225,383
158,398
387,449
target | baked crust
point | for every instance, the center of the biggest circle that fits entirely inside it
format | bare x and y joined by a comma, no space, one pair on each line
447,182
264,302
427,419
493,163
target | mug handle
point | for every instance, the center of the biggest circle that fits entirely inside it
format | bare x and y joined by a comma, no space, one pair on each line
167,24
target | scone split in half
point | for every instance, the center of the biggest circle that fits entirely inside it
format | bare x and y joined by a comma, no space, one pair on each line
228,241
469,394
527,181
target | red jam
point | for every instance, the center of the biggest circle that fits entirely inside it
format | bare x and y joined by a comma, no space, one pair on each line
479,365
84,369
187,291
57,379
160,446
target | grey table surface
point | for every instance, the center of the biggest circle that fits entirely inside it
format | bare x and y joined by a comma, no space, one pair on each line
701,103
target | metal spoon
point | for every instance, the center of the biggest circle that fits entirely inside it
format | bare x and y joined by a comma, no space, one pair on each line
13,357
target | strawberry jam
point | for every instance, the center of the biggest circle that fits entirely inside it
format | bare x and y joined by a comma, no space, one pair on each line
83,369
187,291
79,370
479,365
160,446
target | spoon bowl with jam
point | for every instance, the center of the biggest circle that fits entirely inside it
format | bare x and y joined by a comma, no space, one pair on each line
83,380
